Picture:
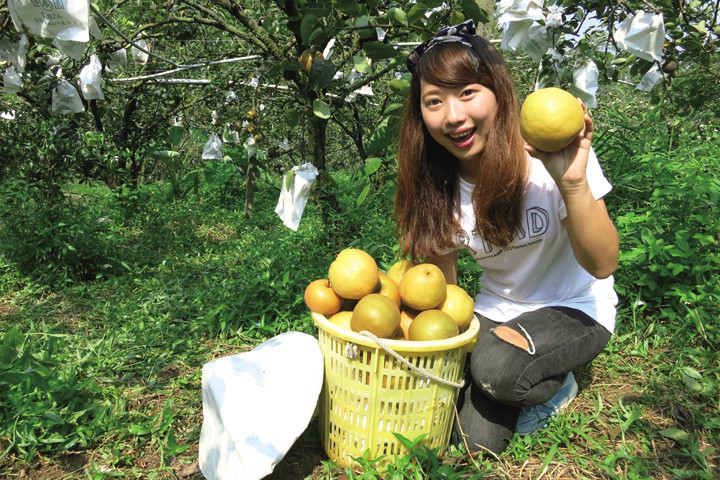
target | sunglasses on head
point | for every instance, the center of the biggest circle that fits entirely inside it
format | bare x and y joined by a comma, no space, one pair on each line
459,33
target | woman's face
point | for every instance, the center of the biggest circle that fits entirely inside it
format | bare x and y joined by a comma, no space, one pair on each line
459,119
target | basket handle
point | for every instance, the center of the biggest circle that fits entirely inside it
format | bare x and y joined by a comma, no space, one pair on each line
402,360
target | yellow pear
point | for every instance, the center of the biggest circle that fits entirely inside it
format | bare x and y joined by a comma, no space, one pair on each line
398,269
342,319
423,286
459,305
432,325
353,274
551,118
386,286
377,314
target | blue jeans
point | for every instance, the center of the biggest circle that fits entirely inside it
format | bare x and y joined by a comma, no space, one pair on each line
501,377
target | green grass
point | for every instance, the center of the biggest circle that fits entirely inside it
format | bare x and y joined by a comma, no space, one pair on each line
100,367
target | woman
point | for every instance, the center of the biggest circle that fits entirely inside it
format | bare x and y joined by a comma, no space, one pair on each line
534,221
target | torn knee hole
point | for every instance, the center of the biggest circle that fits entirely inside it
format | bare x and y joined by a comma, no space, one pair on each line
511,336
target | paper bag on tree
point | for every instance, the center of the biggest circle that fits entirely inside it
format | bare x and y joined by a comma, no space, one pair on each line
66,99
295,193
61,19
213,148
91,80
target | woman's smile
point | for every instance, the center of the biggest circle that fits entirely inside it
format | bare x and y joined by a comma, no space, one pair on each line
462,138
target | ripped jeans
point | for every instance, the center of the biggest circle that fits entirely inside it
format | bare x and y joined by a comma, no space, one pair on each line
502,377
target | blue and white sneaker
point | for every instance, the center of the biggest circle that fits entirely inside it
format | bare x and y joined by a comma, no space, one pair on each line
534,418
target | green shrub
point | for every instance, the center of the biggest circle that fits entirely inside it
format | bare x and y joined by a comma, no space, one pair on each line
669,225
44,405
54,238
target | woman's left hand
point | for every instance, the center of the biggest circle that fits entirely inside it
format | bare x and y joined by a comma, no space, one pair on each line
568,165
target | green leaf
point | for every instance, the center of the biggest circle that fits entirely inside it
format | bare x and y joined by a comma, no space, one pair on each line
316,8
407,443
175,134
362,195
138,430
417,12
289,177
381,138
394,107
321,109
400,86
692,384
321,74
7,354
398,15
53,438
372,165
13,337
691,372
456,17
362,22
307,27
350,8
361,65
379,50
549,457
700,27
472,9
318,36
165,154
675,434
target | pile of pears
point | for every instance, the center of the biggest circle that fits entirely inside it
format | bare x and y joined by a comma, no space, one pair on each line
411,301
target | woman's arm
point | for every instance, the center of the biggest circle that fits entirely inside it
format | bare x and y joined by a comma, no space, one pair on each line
592,234
448,265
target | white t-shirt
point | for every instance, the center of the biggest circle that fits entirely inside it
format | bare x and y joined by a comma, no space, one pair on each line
538,268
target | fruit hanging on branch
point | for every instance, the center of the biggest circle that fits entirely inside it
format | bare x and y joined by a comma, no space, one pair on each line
551,118
308,57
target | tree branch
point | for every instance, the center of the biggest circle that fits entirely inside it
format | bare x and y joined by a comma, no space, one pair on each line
258,36
127,39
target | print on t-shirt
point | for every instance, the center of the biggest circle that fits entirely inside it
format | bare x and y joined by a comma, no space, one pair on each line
536,224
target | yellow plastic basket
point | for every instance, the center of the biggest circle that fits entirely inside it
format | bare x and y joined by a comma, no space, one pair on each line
368,394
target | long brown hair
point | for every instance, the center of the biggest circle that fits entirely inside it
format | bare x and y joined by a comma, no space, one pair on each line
426,196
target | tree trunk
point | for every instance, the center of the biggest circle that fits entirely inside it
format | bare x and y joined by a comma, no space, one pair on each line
250,186
485,29
317,129
327,195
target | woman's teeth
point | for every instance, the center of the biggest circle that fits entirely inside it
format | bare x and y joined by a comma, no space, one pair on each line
461,136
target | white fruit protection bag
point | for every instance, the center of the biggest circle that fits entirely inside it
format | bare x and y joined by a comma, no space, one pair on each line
295,193
91,79
213,148
66,99
64,20
642,34
256,404
12,81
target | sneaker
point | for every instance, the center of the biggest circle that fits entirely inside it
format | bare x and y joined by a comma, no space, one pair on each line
534,418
